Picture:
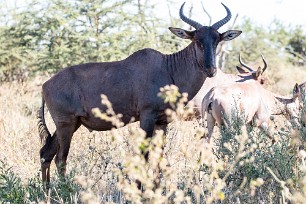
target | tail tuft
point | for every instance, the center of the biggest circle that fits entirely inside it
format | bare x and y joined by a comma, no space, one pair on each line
44,133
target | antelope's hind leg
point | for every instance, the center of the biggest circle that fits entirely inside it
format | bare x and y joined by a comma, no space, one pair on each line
65,132
47,153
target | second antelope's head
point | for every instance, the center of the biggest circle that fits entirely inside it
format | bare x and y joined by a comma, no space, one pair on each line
206,40
255,74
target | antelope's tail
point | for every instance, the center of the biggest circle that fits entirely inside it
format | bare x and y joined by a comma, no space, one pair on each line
44,133
207,104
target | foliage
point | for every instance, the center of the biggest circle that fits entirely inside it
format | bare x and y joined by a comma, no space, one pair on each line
241,165
12,190
279,44
48,36
297,46
10,185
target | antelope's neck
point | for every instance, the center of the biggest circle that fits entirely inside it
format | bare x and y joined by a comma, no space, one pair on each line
185,70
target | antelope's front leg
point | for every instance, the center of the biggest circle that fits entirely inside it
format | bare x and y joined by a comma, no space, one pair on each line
265,127
147,123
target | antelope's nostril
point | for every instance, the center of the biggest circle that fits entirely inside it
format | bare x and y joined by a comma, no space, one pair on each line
210,75
211,72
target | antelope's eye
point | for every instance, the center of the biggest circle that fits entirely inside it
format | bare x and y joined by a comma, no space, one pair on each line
201,45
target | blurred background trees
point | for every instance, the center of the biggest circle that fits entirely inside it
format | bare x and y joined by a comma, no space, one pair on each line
47,36
55,34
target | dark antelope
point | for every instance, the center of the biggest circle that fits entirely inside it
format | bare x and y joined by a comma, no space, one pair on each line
131,85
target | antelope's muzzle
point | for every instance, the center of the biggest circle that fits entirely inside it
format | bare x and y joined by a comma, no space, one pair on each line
211,72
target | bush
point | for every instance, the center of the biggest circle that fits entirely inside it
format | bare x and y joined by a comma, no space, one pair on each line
12,190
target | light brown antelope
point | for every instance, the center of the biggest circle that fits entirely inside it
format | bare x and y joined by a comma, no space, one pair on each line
222,78
131,85
250,101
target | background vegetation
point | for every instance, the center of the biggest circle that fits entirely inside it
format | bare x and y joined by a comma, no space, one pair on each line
41,38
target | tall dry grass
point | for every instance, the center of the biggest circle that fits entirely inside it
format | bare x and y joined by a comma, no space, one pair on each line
103,166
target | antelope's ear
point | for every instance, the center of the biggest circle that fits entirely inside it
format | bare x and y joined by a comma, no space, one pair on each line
241,70
258,72
296,91
303,87
230,34
182,33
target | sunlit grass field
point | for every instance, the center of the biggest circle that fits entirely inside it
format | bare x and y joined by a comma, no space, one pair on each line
241,167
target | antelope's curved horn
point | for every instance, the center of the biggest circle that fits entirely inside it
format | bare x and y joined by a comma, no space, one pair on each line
244,65
220,23
187,20
265,63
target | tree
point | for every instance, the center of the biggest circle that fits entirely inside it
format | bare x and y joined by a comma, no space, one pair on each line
256,40
297,46
55,34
